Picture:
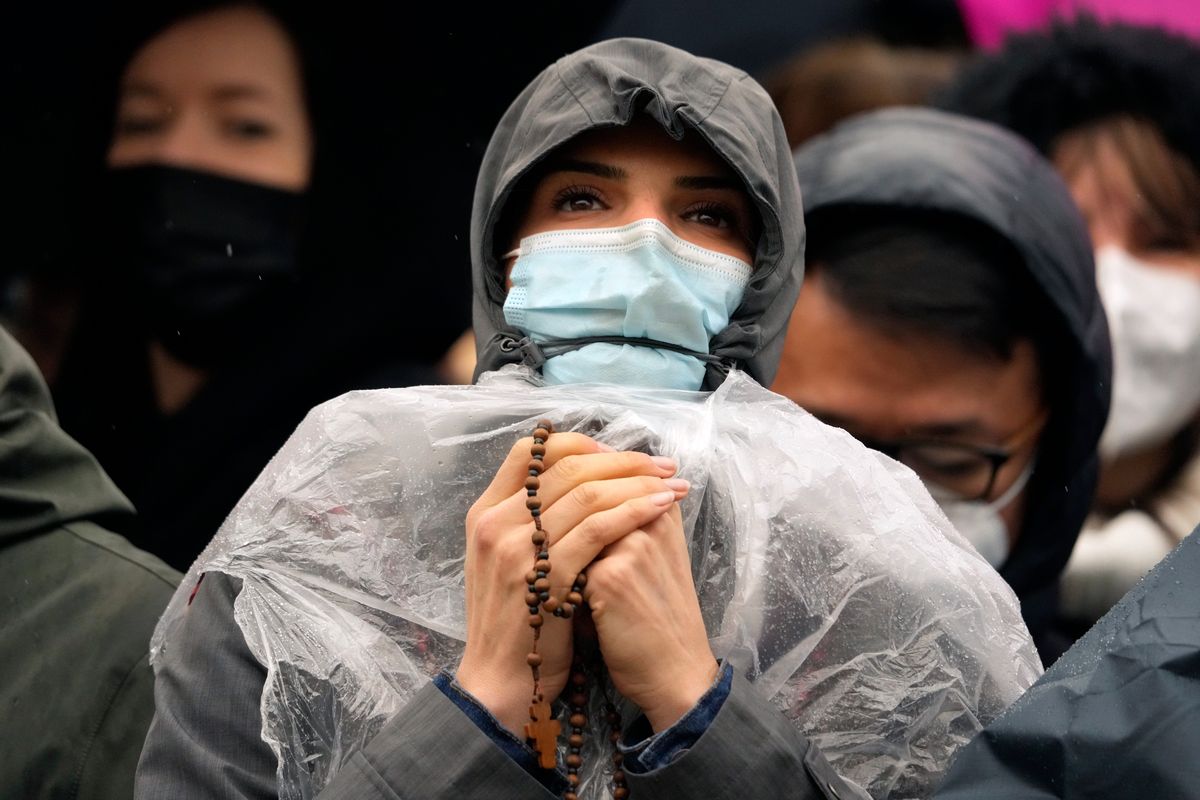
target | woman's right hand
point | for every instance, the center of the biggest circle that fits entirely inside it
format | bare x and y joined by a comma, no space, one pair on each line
588,490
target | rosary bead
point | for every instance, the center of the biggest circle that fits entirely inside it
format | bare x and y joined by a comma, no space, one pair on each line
538,449
617,758
533,503
580,582
538,538
530,577
577,720
542,555
573,779
542,432
614,737
575,598
566,611
613,718
543,596
542,566
550,606
542,584
578,679
618,777
620,793
531,599
546,425
536,467
535,512
536,621
578,699
575,740
532,483
534,610
570,796
574,761
534,659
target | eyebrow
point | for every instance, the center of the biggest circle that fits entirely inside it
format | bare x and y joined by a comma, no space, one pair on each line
940,430
228,91
239,91
588,168
709,182
615,173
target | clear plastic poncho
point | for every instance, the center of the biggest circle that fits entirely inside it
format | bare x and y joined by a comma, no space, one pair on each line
825,572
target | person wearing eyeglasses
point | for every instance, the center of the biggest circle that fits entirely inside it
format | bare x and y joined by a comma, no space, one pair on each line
950,320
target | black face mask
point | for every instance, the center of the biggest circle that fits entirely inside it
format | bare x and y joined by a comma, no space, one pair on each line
208,259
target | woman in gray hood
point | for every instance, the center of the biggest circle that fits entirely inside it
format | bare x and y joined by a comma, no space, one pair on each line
756,582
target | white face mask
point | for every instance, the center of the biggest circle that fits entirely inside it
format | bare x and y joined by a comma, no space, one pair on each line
1154,322
979,521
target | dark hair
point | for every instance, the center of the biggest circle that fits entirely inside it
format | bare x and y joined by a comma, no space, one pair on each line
928,273
1044,84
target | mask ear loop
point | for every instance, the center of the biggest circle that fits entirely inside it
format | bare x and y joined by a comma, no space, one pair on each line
1010,494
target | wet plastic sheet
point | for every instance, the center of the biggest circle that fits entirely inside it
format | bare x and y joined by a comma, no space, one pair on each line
825,571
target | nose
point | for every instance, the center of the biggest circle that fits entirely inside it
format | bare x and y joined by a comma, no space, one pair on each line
182,143
649,206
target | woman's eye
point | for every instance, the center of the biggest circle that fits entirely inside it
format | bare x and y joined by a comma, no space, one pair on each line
249,129
713,215
578,199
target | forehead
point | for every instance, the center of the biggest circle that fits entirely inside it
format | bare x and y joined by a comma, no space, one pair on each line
226,45
644,141
886,385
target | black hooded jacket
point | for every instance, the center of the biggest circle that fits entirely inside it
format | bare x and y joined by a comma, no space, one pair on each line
930,160
1117,716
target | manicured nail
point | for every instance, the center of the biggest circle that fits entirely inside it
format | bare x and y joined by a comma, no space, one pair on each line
664,462
662,498
605,448
678,484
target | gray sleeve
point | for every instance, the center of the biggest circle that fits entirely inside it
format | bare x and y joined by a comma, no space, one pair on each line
204,741
750,750
431,749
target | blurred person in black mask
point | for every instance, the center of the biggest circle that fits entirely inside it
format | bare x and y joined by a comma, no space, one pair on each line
214,319
1115,108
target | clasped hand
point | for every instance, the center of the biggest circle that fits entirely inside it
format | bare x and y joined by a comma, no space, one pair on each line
616,514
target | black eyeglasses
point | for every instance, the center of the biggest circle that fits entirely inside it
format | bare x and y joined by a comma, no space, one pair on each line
967,470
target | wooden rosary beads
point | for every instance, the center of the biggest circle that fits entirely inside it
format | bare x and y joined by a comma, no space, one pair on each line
542,730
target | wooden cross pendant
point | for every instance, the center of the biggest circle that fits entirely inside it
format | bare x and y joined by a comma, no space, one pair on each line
543,731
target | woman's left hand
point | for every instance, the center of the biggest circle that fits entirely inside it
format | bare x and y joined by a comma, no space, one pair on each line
648,620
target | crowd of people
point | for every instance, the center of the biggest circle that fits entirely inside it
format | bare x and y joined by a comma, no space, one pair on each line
793,431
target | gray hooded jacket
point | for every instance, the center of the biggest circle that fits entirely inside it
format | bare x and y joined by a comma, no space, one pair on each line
210,743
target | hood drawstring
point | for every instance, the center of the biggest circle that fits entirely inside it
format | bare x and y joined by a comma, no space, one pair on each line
534,354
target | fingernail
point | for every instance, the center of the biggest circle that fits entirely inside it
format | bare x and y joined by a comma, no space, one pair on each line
605,448
678,484
664,462
662,498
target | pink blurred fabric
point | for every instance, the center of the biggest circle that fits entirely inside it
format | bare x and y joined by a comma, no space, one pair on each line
989,21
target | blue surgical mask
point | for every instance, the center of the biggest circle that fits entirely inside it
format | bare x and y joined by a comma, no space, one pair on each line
644,302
